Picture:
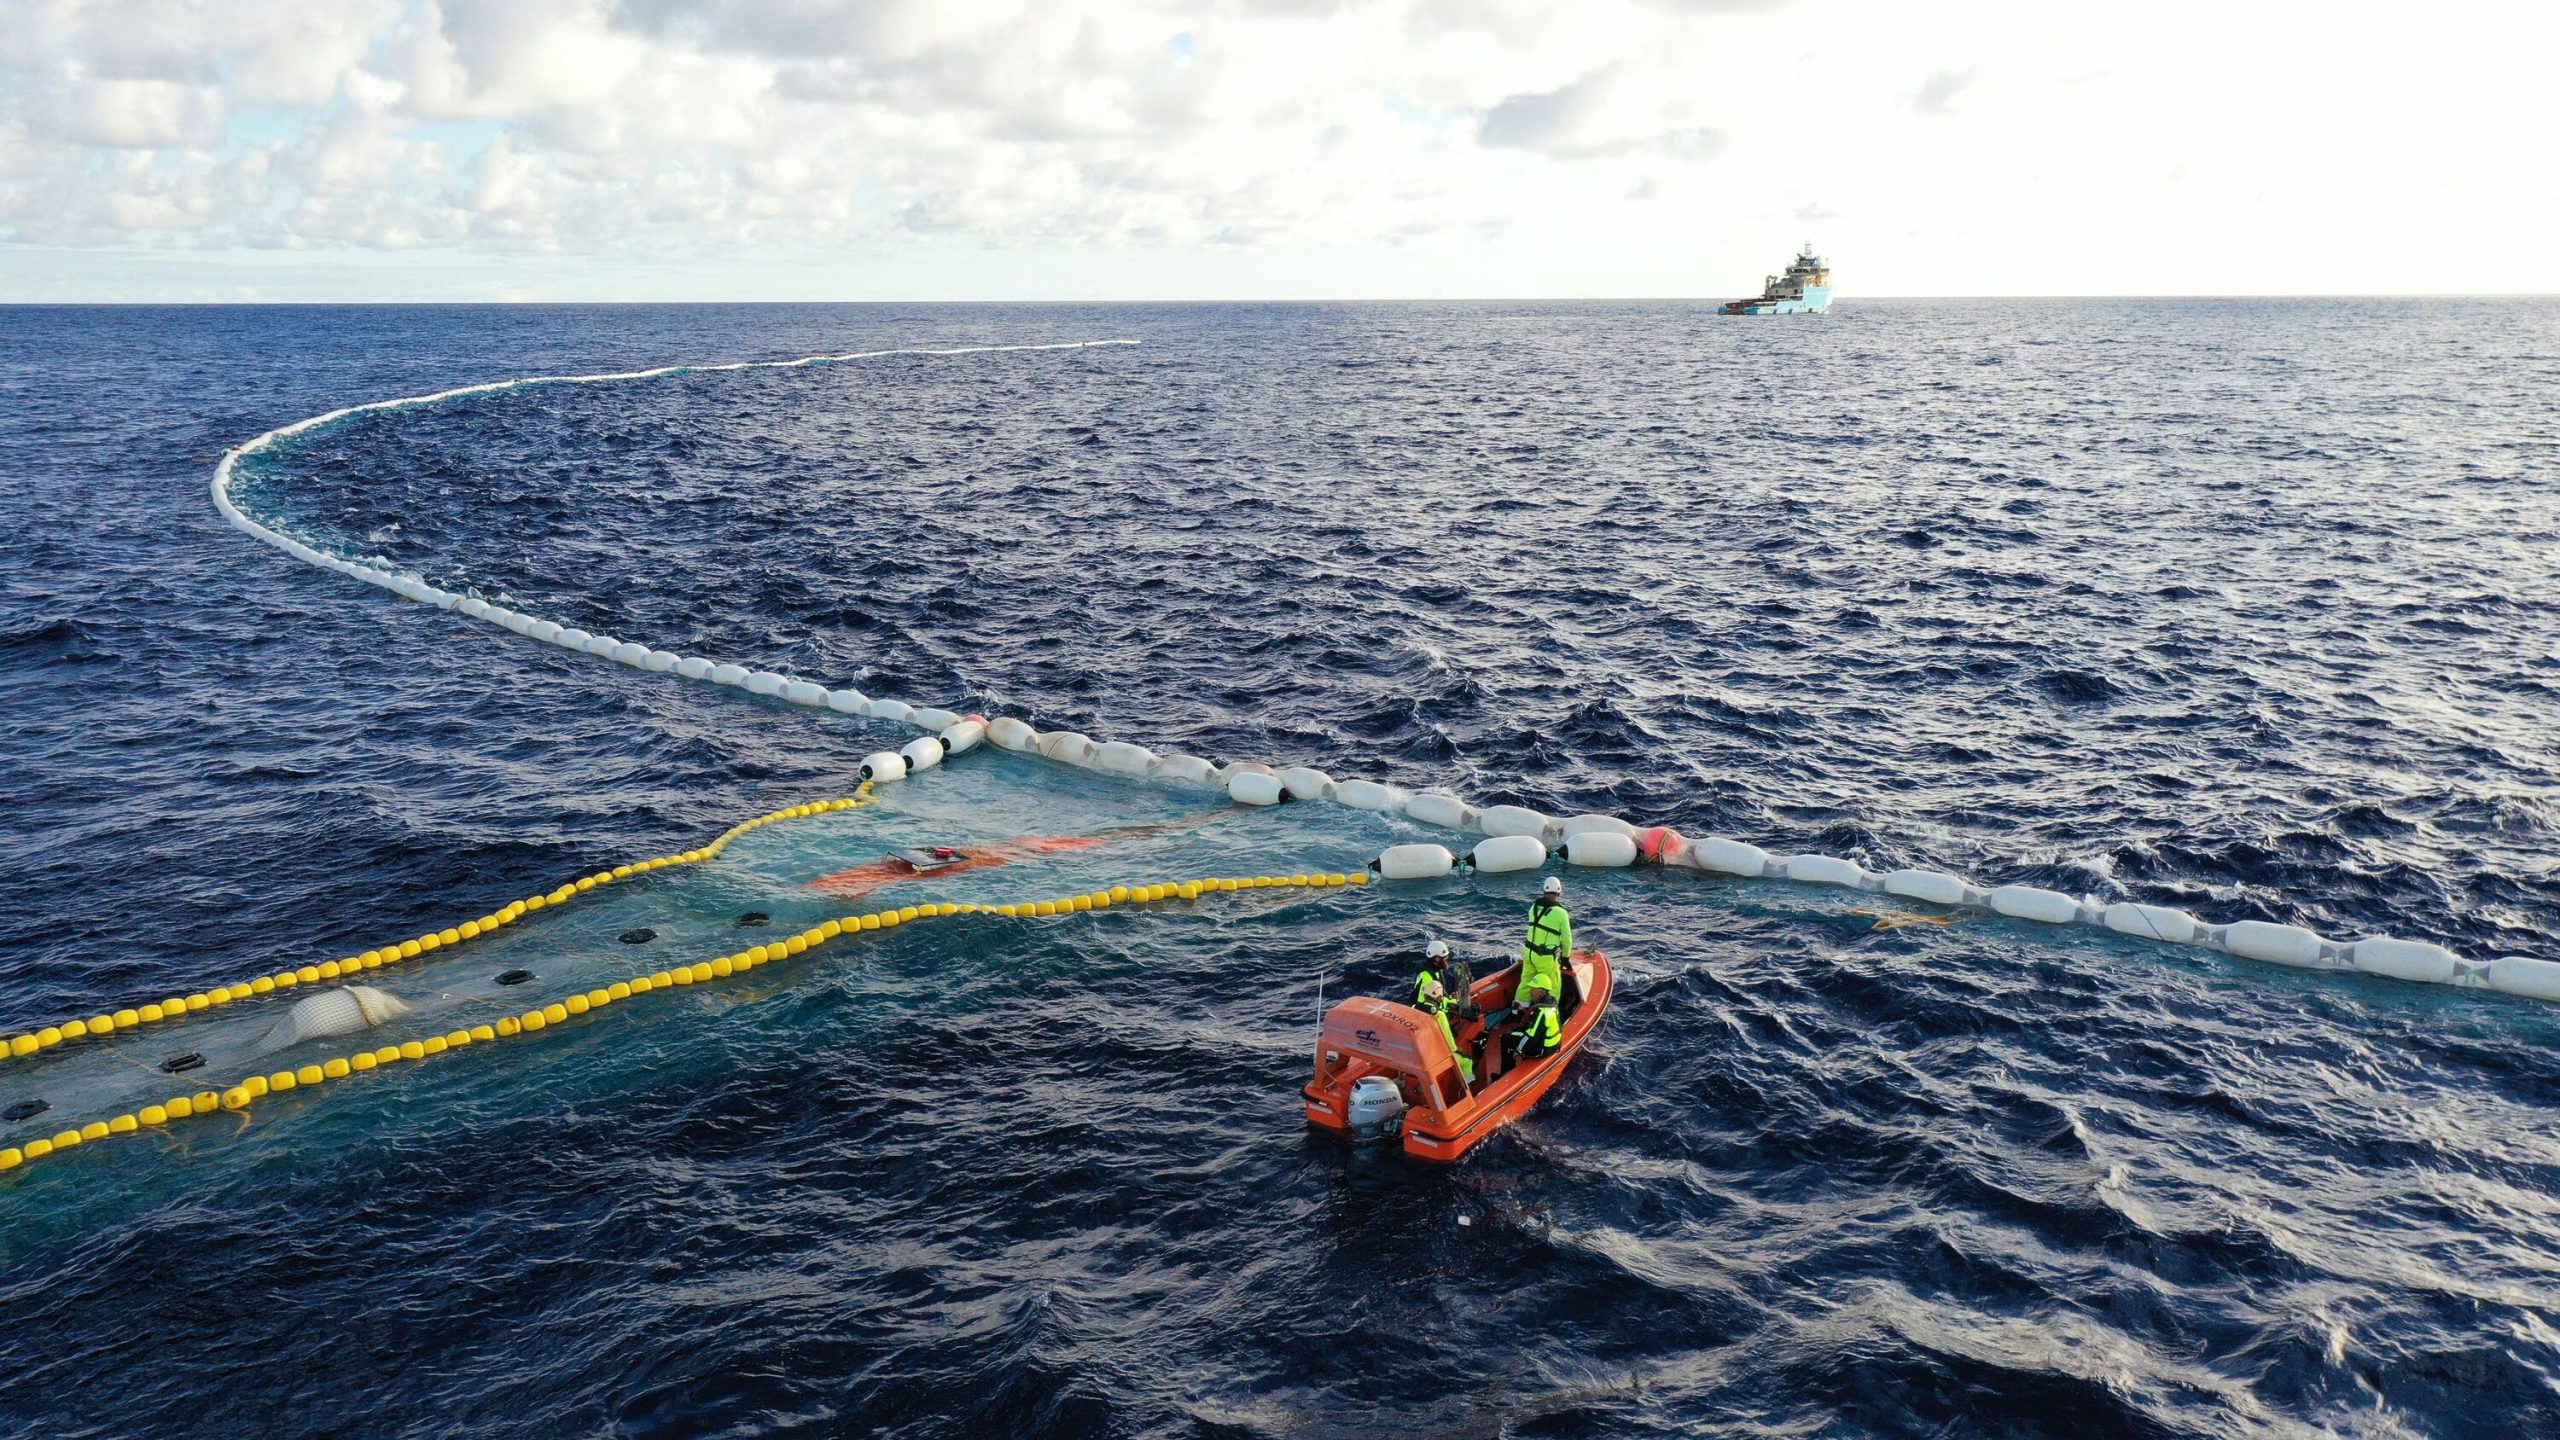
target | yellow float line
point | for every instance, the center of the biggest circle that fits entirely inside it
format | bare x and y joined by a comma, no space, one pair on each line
248,1092
170,1009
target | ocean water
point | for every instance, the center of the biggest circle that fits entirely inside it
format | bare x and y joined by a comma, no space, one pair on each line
2241,606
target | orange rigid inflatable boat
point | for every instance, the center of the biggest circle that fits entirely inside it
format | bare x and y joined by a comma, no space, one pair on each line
1441,1117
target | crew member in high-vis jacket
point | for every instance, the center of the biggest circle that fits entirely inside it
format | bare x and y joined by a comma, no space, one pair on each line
1541,984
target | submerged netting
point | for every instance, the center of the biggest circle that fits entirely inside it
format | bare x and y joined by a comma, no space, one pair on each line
1027,820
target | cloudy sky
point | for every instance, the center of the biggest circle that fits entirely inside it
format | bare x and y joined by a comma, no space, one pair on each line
960,149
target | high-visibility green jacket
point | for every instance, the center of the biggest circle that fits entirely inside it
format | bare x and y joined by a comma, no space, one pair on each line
1542,955
1546,1024
1423,978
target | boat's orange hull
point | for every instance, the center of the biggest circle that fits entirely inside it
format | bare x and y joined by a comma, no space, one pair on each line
1445,1118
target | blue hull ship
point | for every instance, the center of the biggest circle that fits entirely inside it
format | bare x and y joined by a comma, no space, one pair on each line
1804,290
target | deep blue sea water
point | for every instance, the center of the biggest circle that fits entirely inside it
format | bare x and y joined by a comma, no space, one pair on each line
2251,607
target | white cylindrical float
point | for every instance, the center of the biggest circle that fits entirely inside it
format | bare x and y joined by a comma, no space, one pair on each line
1068,748
1254,787
2026,902
475,607
631,653
1515,820
1824,870
1119,757
884,766
1728,857
659,662
805,692
572,639
1932,886
545,631
921,754
2152,922
928,718
897,710
1007,733
2414,960
1305,782
728,675
1439,807
1367,795
1415,862
1589,824
692,667
2275,944
1499,853
1600,848
602,645
2523,975
765,682
1185,769
963,736
848,702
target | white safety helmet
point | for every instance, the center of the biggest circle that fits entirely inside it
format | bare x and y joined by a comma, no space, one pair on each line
1436,950
1554,886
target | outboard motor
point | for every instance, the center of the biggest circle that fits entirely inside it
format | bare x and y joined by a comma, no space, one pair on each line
1377,1109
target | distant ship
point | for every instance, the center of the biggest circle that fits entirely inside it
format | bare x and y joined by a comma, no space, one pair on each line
1804,290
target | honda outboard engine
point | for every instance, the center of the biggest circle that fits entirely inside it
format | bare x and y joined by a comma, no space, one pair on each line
1377,1109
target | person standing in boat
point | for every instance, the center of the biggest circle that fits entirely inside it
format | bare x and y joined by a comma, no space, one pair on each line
1536,995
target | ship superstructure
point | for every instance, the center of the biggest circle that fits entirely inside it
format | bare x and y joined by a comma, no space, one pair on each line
1804,289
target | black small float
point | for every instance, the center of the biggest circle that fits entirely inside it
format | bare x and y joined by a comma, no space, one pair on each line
24,1110
515,977
181,1064
640,935
753,918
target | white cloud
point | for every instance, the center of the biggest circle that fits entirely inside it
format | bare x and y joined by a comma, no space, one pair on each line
1619,146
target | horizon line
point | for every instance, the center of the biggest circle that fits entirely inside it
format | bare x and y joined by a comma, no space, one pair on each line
2411,295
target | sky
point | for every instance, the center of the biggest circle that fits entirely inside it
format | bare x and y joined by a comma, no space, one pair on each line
420,150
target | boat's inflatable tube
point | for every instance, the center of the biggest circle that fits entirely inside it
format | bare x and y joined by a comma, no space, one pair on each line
884,766
921,755
1515,820
2413,960
2026,902
1010,734
1728,857
2152,922
1119,757
1367,795
1415,862
1439,807
1306,783
343,1011
1600,847
1253,787
1499,853
1824,870
2275,944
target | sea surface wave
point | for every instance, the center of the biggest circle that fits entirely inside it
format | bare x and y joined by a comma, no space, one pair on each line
2246,607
